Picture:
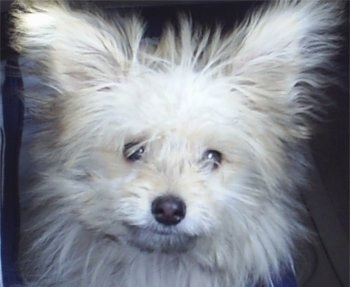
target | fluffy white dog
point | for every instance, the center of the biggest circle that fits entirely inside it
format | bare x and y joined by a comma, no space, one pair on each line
173,162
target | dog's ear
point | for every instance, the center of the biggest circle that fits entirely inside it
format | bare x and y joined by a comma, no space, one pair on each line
75,49
284,52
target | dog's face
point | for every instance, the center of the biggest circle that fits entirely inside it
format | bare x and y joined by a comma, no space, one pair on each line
167,163
161,144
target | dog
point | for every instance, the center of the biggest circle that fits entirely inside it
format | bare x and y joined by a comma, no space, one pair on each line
173,161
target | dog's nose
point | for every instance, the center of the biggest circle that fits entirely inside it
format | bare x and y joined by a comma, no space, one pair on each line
168,209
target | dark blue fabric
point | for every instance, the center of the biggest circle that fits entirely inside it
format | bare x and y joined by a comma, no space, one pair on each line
12,117
287,280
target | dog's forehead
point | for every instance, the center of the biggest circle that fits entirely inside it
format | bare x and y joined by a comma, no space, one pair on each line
182,99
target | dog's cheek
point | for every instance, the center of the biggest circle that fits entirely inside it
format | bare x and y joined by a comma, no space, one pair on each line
123,195
94,189
227,191
93,203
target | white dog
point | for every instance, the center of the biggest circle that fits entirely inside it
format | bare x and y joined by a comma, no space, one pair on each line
173,162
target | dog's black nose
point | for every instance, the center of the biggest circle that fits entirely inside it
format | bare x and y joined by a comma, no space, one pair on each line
168,209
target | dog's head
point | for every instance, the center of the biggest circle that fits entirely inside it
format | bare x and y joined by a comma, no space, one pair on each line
165,143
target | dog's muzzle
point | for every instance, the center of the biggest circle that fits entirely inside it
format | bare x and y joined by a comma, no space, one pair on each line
163,233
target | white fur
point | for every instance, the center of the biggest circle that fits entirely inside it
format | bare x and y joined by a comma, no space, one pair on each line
247,94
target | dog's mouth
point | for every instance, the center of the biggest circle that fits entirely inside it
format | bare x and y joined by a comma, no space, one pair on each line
165,240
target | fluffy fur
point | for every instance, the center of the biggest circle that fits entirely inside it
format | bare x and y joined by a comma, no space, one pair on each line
249,93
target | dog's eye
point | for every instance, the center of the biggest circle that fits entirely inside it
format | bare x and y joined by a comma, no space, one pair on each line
133,152
212,158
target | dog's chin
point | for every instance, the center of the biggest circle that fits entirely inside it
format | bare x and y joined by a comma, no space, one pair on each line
162,240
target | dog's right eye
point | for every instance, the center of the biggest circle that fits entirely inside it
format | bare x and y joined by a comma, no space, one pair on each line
133,152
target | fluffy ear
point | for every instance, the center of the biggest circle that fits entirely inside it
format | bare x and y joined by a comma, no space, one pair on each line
75,49
283,53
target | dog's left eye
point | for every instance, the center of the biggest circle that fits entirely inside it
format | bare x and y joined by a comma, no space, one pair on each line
133,154
212,158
